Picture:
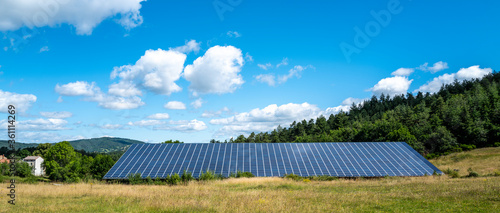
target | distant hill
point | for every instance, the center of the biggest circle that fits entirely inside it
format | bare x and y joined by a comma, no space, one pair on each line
104,144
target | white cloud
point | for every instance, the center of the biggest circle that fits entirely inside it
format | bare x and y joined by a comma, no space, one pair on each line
233,34
43,124
44,137
211,114
438,66
175,105
44,49
190,46
159,116
463,74
60,115
146,123
197,103
216,72
266,78
265,66
184,126
60,99
78,88
124,89
284,62
156,71
112,126
403,72
472,72
294,72
117,103
21,102
94,94
83,15
266,119
392,86
248,57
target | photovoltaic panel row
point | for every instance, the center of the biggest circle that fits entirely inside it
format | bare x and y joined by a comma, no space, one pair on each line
368,159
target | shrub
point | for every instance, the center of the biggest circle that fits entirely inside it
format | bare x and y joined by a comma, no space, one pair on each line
451,173
134,178
149,181
208,175
186,177
467,147
174,179
293,177
497,144
305,180
432,155
472,173
244,174
323,178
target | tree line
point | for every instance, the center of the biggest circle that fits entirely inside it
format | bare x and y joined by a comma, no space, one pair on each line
461,116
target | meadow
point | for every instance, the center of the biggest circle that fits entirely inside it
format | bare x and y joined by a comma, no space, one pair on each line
389,194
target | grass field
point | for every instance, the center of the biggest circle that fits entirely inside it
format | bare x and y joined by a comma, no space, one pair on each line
393,194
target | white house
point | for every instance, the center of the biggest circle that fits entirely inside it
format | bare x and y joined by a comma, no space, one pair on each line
36,164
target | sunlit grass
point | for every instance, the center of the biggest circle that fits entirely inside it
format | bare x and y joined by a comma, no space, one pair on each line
392,194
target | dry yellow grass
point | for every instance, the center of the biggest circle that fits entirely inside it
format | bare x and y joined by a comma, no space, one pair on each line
393,194
483,161
415,194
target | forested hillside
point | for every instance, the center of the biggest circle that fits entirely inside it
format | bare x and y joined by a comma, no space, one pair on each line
461,116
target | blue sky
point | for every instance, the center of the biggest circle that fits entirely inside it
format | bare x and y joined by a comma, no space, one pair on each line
196,70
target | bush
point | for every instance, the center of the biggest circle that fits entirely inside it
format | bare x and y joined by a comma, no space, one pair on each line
467,147
497,144
159,181
208,175
186,177
451,173
432,155
149,181
244,174
472,173
323,178
293,177
134,179
174,179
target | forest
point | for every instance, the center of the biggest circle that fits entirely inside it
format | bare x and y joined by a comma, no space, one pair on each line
461,116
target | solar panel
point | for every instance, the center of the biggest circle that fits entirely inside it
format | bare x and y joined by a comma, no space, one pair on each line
350,159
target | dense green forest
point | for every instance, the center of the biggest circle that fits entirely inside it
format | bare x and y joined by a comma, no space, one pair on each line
461,116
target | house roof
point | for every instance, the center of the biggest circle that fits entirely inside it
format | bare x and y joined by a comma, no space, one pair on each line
32,157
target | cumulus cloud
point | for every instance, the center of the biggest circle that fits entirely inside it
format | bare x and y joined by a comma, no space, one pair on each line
218,113
45,137
156,71
197,103
266,78
60,115
159,116
184,126
265,66
190,46
266,119
43,124
403,72
83,15
22,102
392,86
463,74
124,89
216,72
344,107
111,126
175,105
94,94
146,123
436,67
78,88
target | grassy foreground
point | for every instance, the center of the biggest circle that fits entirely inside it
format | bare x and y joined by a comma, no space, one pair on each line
394,194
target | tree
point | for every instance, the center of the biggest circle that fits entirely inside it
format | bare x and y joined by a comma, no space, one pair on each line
60,161
42,149
101,165
23,169
23,153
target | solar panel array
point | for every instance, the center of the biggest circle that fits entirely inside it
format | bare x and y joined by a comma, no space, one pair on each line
356,159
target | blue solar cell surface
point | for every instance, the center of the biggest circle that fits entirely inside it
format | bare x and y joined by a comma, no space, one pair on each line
354,159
